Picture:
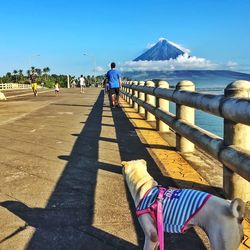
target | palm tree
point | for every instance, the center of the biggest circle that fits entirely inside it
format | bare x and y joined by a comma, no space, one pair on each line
8,76
38,71
20,71
15,73
46,71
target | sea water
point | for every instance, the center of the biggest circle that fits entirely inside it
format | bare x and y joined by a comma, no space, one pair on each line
211,123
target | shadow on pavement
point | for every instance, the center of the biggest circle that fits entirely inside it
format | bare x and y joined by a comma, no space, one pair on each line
131,148
67,220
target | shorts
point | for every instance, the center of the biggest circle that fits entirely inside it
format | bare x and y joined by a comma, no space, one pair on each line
34,85
114,91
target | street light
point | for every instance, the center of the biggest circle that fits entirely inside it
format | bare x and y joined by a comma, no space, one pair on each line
31,58
94,60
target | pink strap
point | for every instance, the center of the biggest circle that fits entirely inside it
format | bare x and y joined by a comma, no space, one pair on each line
156,212
160,230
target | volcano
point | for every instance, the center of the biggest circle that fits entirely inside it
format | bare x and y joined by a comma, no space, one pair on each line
163,50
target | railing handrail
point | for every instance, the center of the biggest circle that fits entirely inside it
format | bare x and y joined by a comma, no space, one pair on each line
214,104
234,107
205,140
14,86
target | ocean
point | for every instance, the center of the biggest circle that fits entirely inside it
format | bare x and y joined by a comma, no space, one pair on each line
211,123
206,81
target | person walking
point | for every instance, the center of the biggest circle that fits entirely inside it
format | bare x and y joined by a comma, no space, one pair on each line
114,82
33,82
73,84
57,88
82,83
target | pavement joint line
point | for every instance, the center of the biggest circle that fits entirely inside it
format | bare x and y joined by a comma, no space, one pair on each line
11,196
26,94
13,234
28,154
22,170
30,142
22,115
85,231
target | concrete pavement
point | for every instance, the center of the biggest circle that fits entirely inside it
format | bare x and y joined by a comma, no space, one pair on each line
61,185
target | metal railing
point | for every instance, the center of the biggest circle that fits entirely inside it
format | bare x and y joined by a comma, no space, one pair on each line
6,86
234,106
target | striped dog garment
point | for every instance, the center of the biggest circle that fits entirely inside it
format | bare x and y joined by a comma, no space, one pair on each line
179,206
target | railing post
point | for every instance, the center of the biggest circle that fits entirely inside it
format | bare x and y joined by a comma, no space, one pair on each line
135,93
131,92
127,91
121,88
141,97
150,99
239,135
164,106
184,113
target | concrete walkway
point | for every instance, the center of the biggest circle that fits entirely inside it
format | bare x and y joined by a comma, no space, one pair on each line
61,185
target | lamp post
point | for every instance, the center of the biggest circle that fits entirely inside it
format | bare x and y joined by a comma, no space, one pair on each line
31,58
94,61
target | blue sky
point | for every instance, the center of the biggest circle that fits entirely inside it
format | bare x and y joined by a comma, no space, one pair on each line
62,31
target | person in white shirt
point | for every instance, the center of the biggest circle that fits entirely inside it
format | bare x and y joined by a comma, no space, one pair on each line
82,83
56,88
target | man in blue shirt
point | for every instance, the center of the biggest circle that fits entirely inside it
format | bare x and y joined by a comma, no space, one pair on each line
114,82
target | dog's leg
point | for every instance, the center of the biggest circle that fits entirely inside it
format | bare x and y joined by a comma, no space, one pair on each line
150,232
216,241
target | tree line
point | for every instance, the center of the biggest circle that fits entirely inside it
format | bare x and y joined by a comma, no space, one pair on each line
43,75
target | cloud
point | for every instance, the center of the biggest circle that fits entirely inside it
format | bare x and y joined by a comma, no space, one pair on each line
150,45
99,69
180,47
182,62
231,65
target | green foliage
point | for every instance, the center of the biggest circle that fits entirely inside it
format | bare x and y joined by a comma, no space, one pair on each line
24,81
49,83
49,80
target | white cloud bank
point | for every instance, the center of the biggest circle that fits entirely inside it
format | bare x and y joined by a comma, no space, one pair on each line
182,62
99,69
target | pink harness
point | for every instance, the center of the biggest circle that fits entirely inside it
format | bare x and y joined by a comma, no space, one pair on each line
179,206
156,213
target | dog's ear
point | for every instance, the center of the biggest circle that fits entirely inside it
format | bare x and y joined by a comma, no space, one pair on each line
133,162
124,163
237,208
143,162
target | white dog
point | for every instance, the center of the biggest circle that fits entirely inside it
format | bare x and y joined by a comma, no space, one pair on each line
220,219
